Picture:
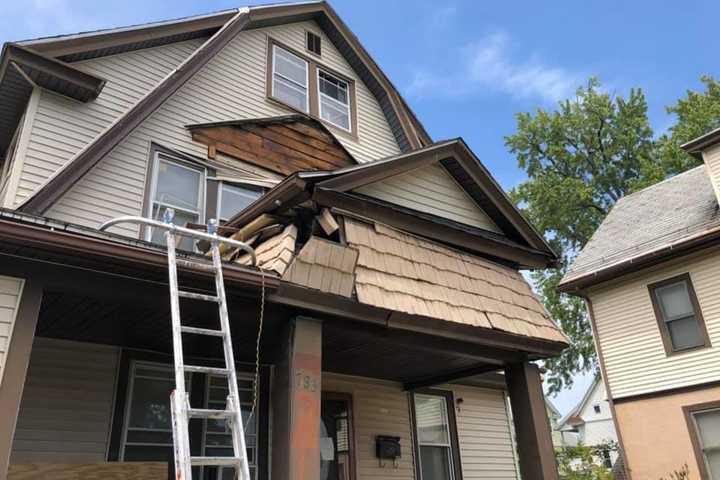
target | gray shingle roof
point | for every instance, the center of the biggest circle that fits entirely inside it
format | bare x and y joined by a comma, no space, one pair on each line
666,213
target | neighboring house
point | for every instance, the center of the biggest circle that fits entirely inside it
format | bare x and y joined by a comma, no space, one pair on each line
554,417
388,264
651,278
590,422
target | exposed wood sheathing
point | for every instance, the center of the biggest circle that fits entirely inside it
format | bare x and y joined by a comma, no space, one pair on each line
408,274
324,266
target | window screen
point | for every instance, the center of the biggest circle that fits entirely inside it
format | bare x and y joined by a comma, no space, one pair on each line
290,79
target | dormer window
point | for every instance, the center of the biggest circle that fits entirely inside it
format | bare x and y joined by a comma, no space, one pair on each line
301,83
290,79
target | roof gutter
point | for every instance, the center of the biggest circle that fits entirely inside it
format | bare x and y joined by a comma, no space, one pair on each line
682,247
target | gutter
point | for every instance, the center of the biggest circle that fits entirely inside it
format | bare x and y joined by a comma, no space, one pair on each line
680,247
109,248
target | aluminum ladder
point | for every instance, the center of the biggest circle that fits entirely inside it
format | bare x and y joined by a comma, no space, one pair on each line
180,406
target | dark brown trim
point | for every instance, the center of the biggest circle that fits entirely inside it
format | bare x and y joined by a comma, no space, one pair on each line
285,195
575,285
670,349
449,376
113,251
53,74
668,392
608,392
689,412
346,397
105,142
446,231
696,146
452,424
314,66
16,364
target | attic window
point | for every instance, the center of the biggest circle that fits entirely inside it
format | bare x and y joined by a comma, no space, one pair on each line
290,79
313,43
596,407
334,100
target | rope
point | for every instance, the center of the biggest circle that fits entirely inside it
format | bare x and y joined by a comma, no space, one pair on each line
256,382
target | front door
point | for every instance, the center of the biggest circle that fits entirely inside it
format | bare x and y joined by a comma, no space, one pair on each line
336,437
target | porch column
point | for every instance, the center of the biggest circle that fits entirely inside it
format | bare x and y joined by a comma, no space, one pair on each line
296,403
19,309
532,426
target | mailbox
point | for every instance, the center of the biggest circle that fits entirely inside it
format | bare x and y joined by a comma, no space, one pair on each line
387,448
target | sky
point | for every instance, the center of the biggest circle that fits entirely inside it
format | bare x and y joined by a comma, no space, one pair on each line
468,67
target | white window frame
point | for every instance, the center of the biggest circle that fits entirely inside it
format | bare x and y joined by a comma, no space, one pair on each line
448,445
202,189
129,400
293,82
321,95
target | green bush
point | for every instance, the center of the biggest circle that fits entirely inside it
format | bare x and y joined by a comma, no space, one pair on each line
585,463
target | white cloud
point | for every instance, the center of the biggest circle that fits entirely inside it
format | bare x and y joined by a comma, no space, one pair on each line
486,65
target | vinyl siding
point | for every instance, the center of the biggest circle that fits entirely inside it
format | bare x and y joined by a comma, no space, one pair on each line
10,293
431,190
62,126
231,86
67,403
712,162
382,408
630,339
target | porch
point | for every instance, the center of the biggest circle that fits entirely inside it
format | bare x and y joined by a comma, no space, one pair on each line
86,378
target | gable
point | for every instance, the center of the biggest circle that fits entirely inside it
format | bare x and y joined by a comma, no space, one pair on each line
431,190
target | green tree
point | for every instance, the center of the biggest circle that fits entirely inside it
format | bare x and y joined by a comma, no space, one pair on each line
579,159
695,115
585,462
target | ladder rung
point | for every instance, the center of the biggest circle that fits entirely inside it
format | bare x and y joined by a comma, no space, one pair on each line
203,267
208,370
216,461
209,413
198,296
202,331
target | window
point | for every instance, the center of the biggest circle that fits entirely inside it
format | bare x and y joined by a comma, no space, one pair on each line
148,432
678,314
290,79
435,437
313,43
334,100
301,83
233,198
179,186
596,408
217,439
704,425
336,437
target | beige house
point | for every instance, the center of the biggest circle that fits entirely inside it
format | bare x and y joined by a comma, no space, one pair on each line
650,277
394,314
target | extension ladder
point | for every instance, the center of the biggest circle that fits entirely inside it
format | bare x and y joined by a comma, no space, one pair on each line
180,407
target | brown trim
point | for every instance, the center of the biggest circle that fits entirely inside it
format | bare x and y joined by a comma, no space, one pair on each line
696,146
16,365
689,412
449,397
668,392
314,66
655,257
285,195
309,32
113,251
608,392
346,397
105,142
670,349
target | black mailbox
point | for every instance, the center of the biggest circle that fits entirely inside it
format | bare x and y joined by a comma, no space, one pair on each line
387,448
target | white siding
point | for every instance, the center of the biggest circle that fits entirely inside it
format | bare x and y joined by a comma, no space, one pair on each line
630,338
382,408
62,126
598,427
486,442
431,190
10,293
67,403
712,162
231,86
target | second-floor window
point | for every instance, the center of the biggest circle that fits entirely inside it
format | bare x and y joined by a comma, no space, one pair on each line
334,100
678,315
232,199
290,79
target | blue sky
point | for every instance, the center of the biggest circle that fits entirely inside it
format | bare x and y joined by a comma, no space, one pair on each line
467,67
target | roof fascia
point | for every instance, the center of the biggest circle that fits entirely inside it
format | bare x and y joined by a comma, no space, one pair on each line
89,156
73,44
696,146
286,194
85,87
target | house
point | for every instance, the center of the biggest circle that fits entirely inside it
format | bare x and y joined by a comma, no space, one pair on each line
590,423
649,275
554,416
386,304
